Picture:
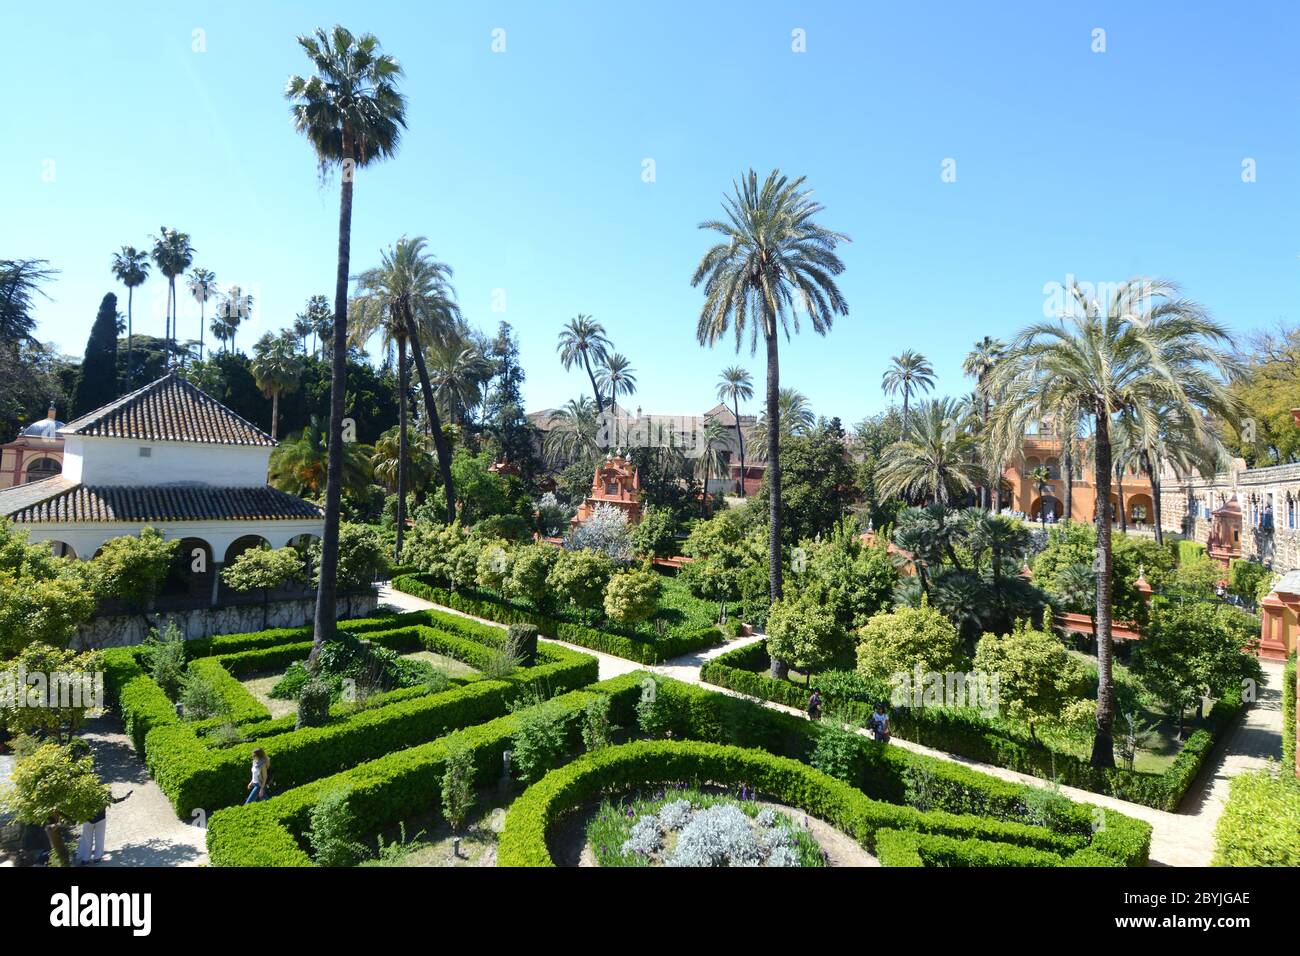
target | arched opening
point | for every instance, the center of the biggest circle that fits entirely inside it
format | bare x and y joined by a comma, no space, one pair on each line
42,468
240,545
191,571
303,544
1046,508
1140,509
61,549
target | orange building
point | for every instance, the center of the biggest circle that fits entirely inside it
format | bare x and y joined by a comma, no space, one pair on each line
36,453
1042,446
616,483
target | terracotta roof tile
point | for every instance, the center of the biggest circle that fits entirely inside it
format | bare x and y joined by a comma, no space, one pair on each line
170,409
59,500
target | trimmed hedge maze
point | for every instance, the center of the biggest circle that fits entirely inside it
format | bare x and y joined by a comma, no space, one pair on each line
970,735
716,738
629,646
197,772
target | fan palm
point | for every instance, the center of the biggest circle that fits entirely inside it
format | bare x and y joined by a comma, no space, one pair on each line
1002,539
277,370
574,434
352,114
131,268
320,317
235,308
203,286
935,462
1141,353
774,262
616,377
583,340
172,254
735,384
908,373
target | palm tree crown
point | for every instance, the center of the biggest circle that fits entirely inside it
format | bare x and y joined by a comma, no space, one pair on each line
935,461
583,341
131,268
616,377
908,373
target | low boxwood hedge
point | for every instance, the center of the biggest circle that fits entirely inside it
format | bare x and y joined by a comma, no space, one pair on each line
195,774
972,840
631,647
967,734
1260,825
1289,714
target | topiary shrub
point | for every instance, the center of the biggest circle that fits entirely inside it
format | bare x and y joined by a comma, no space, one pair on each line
632,597
333,831
314,704
522,639
908,638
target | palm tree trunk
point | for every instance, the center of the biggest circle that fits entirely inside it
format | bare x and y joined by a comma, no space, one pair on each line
779,668
203,320
431,417
1119,492
600,407
1155,505
1103,746
275,413
130,301
327,589
905,397
402,386
740,437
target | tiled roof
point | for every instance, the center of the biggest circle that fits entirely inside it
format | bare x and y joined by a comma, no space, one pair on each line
170,409
59,500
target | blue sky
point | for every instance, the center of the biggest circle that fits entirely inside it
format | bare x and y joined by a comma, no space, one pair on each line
524,168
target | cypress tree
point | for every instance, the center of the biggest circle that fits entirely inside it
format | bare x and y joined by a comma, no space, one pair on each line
97,384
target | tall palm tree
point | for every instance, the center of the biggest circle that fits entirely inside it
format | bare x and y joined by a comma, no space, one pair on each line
1039,477
131,268
616,377
203,286
303,328
574,432
1142,350
172,254
735,384
774,261
321,317
277,370
235,308
978,364
907,373
711,460
459,373
583,340
935,462
352,114
795,415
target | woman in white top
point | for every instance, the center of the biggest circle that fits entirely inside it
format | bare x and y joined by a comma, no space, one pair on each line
261,772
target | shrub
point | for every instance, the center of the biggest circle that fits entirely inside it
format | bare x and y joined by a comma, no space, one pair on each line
509,527
528,573
1260,822
632,597
522,640
334,830
908,638
1036,674
604,532
596,724
804,633
656,714
1289,764
493,565
838,753
132,569
314,703
362,557
580,578
552,517
201,699
538,741
264,569
458,786
1245,578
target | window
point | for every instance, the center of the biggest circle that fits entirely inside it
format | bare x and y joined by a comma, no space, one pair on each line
43,468
146,452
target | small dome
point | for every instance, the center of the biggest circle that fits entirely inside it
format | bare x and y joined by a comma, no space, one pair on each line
45,428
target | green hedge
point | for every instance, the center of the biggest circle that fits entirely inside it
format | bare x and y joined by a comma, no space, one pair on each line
1260,825
1289,705
387,789
967,734
1186,550
973,840
633,648
196,775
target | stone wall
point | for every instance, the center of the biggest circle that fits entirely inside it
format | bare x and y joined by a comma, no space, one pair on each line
124,630
1183,506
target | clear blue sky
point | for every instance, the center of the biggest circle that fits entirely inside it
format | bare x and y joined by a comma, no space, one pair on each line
524,168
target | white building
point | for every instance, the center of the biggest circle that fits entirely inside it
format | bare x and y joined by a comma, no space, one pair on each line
166,456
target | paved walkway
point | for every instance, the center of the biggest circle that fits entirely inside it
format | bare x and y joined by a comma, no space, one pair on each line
1185,838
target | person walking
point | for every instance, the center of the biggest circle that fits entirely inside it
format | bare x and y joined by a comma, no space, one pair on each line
878,724
90,848
261,774
815,705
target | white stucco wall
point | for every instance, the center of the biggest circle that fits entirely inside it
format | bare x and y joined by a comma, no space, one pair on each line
117,461
86,538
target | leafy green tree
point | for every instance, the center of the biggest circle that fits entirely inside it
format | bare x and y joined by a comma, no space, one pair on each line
458,786
97,385
632,597
852,580
493,565
132,568
1036,675
655,535
774,263
42,598
52,788
579,577
352,114
529,573
817,481
53,689
901,641
804,633
265,570
361,559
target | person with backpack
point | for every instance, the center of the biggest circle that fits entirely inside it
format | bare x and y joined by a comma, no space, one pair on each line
815,705
261,776
878,724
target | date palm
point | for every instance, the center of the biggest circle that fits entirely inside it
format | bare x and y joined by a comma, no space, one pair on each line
172,254
1039,478
574,434
773,263
795,415
935,462
277,370
908,373
419,466
300,465
459,373
711,458
1141,353
351,112
203,286
583,341
616,377
734,385
978,364
131,268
